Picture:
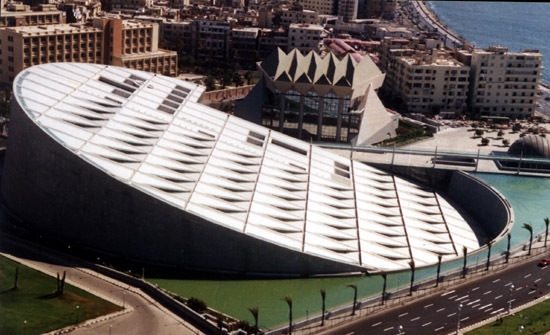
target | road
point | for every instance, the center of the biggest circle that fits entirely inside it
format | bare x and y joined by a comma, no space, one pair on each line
145,316
480,299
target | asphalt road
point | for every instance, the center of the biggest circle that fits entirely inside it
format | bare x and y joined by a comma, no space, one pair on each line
480,299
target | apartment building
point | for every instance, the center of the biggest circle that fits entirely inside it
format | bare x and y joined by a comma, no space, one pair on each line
271,39
134,44
16,14
297,15
502,82
305,37
22,47
244,45
347,9
130,4
429,82
211,39
178,36
380,8
322,7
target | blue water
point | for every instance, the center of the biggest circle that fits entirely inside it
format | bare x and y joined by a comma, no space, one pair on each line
516,25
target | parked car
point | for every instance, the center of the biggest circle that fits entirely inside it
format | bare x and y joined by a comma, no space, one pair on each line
544,262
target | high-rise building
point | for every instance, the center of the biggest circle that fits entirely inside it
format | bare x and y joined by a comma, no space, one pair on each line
503,82
16,14
347,10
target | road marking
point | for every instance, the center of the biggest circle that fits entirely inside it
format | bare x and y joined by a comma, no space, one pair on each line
453,296
350,333
475,289
466,318
519,288
512,300
498,297
447,293
474,306
488,309
496,280
527,275
402,315
534,291
441,309
390,328
473,302
463,297
482,307
426,324
414,319
376,324
429,305
497,311
510,283
451,315
487,292
438,329
548,284
537,280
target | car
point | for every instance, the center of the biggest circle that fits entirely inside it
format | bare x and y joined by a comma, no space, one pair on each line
544,262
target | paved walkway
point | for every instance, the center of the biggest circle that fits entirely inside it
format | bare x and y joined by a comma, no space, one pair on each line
144,315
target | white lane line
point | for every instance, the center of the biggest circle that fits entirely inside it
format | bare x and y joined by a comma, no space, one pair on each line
402,315
474,306
466,318
512,300
475,289
534,291
473,302
376,324
497,311
414,319
441,309
451,315
510,283
350,333
429,305
438,329
527,275
548,284
426,324
453,296
498,297
463,297
496,280
488,292
447,293
537,280
488,309
485,306
390,328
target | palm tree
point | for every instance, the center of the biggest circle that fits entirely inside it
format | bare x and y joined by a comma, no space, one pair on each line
289,303
530,230
489,245
354,287
464,269
508,248
439,257
323,297
546,222
254,311
413,268
385,277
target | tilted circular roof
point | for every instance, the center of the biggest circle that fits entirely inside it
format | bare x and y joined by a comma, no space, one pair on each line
530,146
150,132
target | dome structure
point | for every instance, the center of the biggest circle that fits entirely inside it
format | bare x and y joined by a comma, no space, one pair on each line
530,146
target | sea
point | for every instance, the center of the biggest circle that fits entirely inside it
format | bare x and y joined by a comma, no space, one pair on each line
515,25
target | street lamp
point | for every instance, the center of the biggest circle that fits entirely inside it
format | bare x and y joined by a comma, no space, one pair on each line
521,328
510,299
77,308
110,329
400,329
123,300
458,321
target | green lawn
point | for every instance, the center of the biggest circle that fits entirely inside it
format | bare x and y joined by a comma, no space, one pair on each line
535,320
34,303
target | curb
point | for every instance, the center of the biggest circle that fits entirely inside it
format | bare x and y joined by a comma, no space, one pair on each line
89,322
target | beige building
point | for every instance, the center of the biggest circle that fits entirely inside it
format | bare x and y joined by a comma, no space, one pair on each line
322,7
289,16
22,47
503,83
305,37
16,14
131,4
429,83
134,44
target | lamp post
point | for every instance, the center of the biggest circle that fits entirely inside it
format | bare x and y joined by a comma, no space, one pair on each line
77,308
110,329
400,329
123,300
510,299
521,328
458,320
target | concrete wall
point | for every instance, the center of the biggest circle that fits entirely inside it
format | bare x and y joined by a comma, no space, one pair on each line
64,197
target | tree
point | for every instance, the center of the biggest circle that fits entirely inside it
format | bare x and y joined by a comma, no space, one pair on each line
289,303
516,127
439,258
546,223
15,286
354,287
485,141
227,78
237,79
489,245
530,230
464,268
254,311
479,132
210,83
505,142
385,278
508,248
500,133
413,269
323,308
248,77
